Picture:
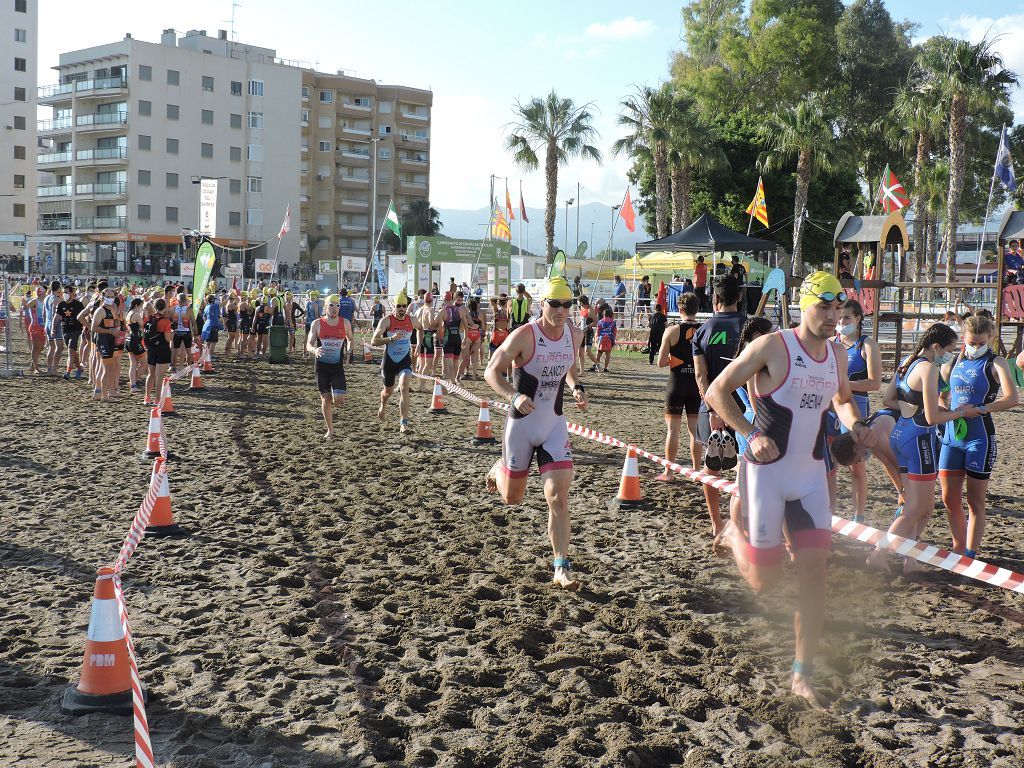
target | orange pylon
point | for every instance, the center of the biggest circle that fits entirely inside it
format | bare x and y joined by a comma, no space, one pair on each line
630,494
161,520
367,353
437,401
208,361
197,379
484,434
166,402
156,426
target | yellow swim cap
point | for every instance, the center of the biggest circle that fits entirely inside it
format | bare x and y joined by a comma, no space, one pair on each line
820,286
314,295
402,298
287,294
334,299
557,288
272,292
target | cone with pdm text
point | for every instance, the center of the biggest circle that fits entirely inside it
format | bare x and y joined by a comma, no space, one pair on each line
367,353
161,519
208,361
437,399
106,682
197,379
156,426
630,494
166,401
484,433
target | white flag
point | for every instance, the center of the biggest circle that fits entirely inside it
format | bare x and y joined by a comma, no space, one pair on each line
286,225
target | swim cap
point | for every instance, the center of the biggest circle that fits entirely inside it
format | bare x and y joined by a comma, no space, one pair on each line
272,292
557,288
314,295
287,294
401,298
818,284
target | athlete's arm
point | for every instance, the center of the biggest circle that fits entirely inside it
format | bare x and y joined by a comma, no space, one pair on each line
1008,394
513,350
578,393
890,398
873,358
670,338
754,358
378,340
348,330
314,333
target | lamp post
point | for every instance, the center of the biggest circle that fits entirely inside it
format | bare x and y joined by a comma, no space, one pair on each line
568,202
578,199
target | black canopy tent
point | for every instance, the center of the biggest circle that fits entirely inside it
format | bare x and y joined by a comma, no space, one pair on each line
706,235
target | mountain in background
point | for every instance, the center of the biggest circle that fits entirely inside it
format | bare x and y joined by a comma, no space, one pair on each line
472,225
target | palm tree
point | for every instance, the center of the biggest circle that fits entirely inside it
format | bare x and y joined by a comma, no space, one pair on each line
934,184
691,146
808,134
563,131
648,114
970,78
312,242
421,219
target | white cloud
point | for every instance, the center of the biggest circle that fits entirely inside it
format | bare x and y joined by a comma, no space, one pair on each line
628,28
592,42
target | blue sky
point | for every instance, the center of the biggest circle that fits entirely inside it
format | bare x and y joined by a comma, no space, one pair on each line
478,58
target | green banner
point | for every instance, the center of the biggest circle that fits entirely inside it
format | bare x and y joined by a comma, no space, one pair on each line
205,259
580,250
454,250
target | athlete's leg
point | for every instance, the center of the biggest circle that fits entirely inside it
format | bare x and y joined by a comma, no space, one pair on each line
403,395
556,491
919,502
696,450
809,619
952,482
510,486
976,490
859,485
327,409
385,394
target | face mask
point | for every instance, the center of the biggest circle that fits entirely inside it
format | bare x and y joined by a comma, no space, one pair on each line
943,357
974,352
847,330
108,300
458,303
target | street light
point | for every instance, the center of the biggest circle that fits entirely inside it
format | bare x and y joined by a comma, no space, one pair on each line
568,202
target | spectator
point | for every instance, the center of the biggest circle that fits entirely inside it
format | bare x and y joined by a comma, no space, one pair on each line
643,298
845,271
620,299
700,283
577,287
657,324
737,270
1013,263
687,286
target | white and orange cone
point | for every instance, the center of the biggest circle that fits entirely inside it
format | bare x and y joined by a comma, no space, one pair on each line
156,426
197,379
208,361
195,353
161,520
484,433
630,494
367,353
437,401
166,401
106,683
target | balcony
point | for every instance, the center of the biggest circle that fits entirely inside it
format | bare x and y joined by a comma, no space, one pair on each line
363,109
345,227
105,121
57,190
102,189
57,92
356,131
417,185
100,86
50,224
357,181
414,117
54,158
101,222
348,203
102,154
407,137
355,154
408,160
56,125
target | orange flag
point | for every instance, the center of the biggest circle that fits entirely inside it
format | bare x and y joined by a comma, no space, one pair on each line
508,205
628,214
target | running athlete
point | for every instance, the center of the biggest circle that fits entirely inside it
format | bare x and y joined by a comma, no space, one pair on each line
133,344
71,330
543,359
184,322
499,330
681,393
432,329
913,393
395,331
294,314
245,321
519,307
981,378
454,317
796,373
212,324
231,323
157,335
606,332
326,342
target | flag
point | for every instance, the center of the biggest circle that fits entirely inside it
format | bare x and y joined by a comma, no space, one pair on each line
391,220
758,207
891,194
508,205
205,259
1004,164
628,214
522,205
499,226
286,225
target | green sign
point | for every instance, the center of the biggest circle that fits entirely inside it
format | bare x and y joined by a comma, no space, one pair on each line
328,267
580,250
206,257
448,249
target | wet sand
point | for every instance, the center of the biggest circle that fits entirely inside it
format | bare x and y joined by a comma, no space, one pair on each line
364,603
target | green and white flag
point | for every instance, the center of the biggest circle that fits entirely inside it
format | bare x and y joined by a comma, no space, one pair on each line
205,259
391,220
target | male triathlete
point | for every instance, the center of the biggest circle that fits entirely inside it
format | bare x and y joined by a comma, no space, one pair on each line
326,342
395,332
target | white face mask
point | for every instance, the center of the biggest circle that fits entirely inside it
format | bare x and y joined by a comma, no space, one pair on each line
974,352
847,330
943,357
108,300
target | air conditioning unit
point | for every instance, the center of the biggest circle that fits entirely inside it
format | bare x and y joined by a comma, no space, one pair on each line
321,226
320,177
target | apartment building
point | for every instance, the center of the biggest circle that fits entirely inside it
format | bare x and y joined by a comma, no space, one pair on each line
359,136
19,22
136,125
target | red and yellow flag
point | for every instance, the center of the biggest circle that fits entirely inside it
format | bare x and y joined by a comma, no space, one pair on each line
508,205
500,229
758,207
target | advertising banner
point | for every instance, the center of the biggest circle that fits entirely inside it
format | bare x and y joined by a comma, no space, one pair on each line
208,207
264,269
206,257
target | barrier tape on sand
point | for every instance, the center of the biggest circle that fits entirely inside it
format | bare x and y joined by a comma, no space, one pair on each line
928,554
143,744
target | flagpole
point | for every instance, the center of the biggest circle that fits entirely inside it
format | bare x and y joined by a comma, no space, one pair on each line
984,226
611,235
874,198
750,223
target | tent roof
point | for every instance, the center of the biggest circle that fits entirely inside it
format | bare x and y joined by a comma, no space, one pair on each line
707,235
1012,226
889,229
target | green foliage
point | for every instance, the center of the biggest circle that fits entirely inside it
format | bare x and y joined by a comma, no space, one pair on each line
615,254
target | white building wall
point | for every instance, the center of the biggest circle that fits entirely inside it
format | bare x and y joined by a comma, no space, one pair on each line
18,119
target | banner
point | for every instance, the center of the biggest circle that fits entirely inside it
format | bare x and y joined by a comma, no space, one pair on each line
233,270
206,257
580,250
208,207
382,280
264,268
328,267
187,269
353,264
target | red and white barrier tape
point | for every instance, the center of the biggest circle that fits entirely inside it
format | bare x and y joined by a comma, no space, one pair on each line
143,743
928,554
138,527
186,371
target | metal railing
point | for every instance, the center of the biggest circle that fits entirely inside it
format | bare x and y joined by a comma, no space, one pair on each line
56,124
80,86
102,118
102,153
54,157
50,224
56,190
101,222
102,188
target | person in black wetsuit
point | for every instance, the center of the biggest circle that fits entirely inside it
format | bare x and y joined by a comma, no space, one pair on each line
657,323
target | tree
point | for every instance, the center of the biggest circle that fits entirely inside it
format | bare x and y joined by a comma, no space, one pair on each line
934,184
692,145
806,133
970,78
312,243
421,219
563,131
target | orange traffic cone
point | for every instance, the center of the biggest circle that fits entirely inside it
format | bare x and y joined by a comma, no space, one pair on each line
207,361
156,426
484,435
367,354
161,520
629,486
166,402
437,401
197,379
106,682
195,353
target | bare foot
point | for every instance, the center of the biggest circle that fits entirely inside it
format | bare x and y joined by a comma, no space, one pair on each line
564,580
491,480
664,477
878,561
722,545
329,434
911,566
380,413
802,687
405,429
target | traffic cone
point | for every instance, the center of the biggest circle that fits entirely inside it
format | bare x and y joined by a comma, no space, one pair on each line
161,519
156,426
629,486
195,353
484,435
367,354
437,401
106,682
197,379
207,361
166,402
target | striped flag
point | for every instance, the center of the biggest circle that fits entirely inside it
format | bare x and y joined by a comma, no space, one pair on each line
758,207
1004,164
508,205
286,225
500,229
522,205
891,194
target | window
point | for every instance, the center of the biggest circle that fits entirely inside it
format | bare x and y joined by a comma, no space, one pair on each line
234,218
325,146
206,150
144,178
255,87
255,119
361,101
385,107
145,108
145,141
305,117
21,6
171,213
173,111
326,97
144,212
235,186
254,183
254,216
236,121
20,36
384,154
385,130
173,77
19,94
207,117
324,121
19,123
305,92
235,154
171,181
145,72
19,64
19,210
207,83
19,181
172,146
254,152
